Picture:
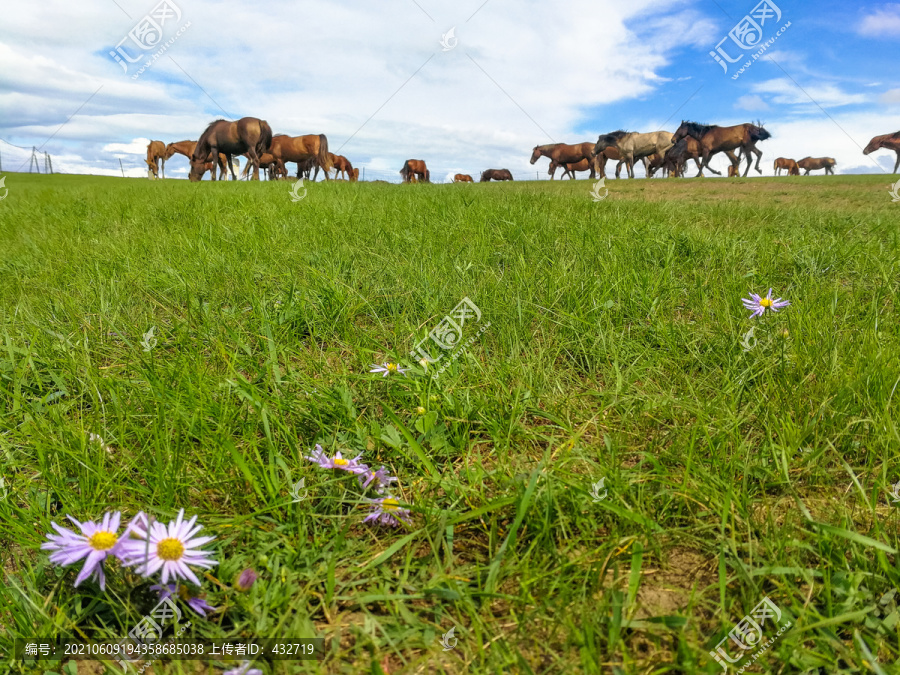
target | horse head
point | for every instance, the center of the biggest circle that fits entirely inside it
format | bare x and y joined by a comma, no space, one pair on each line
536,154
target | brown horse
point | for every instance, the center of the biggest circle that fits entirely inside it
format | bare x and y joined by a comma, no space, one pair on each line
714,139
816,163
495,174
186,148
302,149
888,142
248,135
342,166
414,169
266,162
462,178
632,146
570,168
676,158
354,175
562,153
156,151
786,165
601,157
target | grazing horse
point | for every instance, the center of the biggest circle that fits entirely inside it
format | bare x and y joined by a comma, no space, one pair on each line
632,146
156,151
414,171
714,139
186,148
462,178
888,142
301,149
816,163
562,153
342,166
786,165
248,135
495,174
354,175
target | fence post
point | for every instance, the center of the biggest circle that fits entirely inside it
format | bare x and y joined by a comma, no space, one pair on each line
122,167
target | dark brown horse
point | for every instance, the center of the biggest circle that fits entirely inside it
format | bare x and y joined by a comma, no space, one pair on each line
676,158
714,139
248,135
186,148
815,163
302,149
414,170
462,178
562,153
156,151
888,142
495,174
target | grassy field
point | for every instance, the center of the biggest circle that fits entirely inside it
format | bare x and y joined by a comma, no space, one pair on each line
735,466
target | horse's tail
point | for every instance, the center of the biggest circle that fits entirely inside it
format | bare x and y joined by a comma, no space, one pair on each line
324,157
265,138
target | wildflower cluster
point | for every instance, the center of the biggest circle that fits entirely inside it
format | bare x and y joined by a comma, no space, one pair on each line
385,509
146,545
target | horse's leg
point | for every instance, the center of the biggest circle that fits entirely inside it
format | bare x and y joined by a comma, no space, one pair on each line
756,151
214,153
707,156
898,161
619,168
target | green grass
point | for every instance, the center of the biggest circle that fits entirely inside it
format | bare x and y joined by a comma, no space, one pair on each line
614,352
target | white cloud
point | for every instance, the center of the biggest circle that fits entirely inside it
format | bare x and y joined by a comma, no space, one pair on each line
751,102
784,91
881,22
890,97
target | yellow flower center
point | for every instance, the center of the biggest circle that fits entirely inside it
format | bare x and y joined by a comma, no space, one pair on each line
103,541
420,410
390,504
765,302
391,367
341,462
170,549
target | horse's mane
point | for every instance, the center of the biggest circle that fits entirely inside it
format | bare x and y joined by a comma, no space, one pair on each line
699,128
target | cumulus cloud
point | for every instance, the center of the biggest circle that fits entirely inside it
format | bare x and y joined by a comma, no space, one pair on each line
751,102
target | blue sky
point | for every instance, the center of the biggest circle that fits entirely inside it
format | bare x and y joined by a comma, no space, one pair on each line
377,80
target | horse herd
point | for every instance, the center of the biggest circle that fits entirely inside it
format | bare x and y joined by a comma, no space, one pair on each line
252,138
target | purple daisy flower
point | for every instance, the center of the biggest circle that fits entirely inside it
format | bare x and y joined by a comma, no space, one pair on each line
244,669
388,369
381,479
199,605
758,304
337,462
387,511
96,543
171,547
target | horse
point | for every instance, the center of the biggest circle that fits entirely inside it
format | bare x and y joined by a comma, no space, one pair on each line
562,153
676,158
301,149
354,175
267,162
789,166
341,165
600,161
186,148
495,174
415,169
816,163
632,146
714,139
570,168
462,178
888,142
156,150
248,135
